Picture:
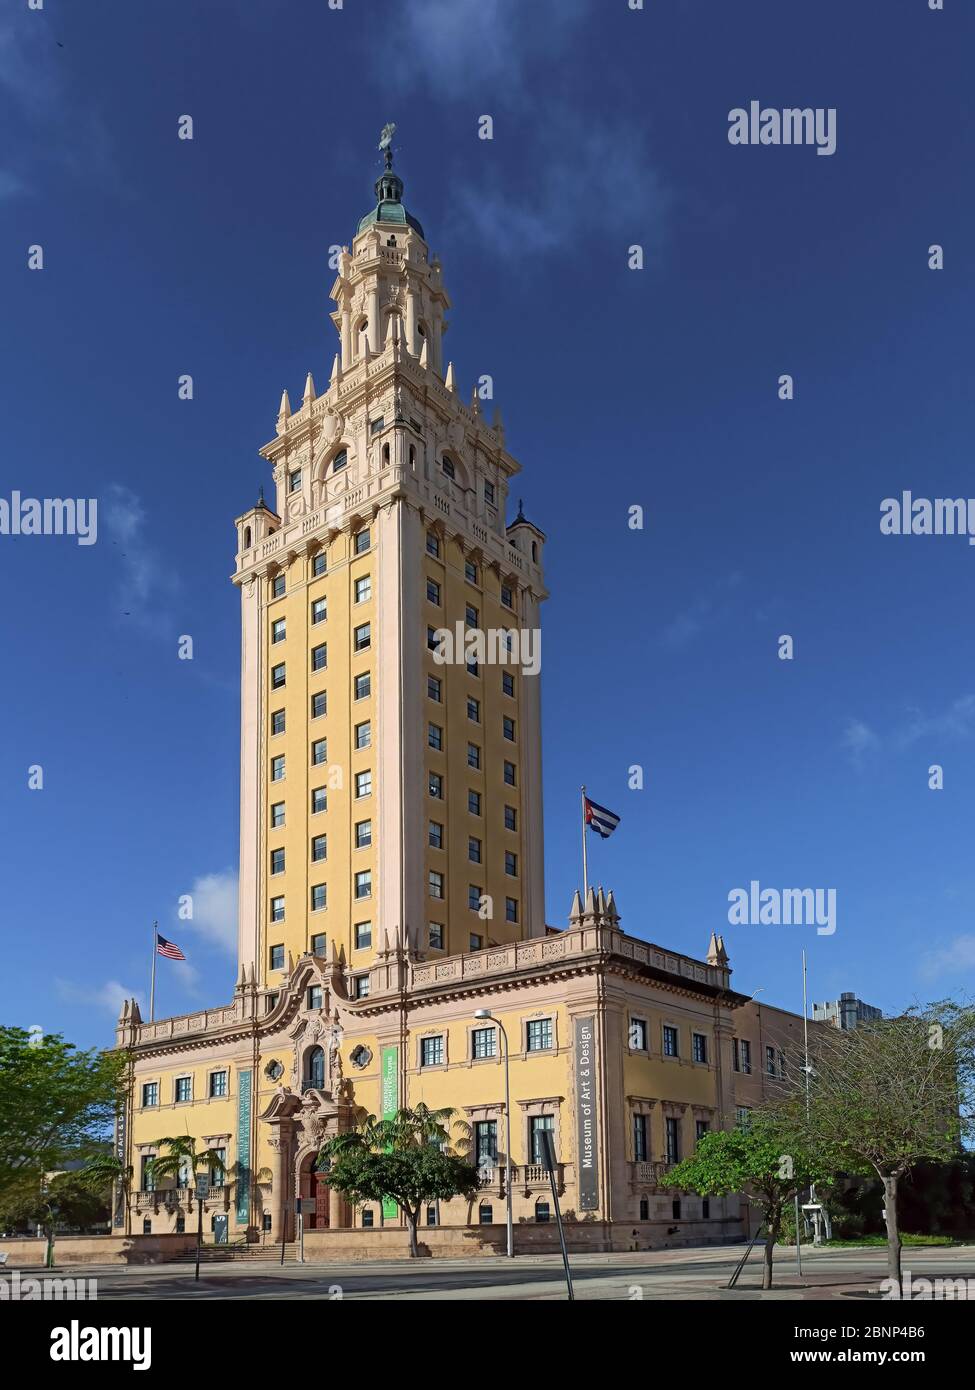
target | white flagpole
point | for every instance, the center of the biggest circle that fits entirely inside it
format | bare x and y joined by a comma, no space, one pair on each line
152,983
585,861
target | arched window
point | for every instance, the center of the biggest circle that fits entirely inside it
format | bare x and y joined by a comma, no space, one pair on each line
448,467
535,552
391,241
644,1209
413,456
315,1068
340,460
247,538
362,337
385,455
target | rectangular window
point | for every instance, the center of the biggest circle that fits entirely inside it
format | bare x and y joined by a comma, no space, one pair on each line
470,615
314,996
277,912
485,1132
473,755
363,685
278,630
435,835
340,460
435,736
319,657
433,592
435,882
701,1127
507,596
509,774
770,1061
510,818
363,588
432,640
508,729
640,1146
638,1035
735,1055
319,704
363,834
538,1035
363,735
484,1042
319,752
361,542
489,492
475,941
150,1094
277,815
511,909
361,637
277,952
435,935
363,935
510,864
363,783
672,1132
473,710
670,1041
474,803
277,722
277,768
319,610
537,1126
318,944
277,586
184,1089
319,848
472,668
474,897
319,564
431,1051
368,1218
360,986
433,545
363,884
699,1044
277,861
470,573
473,849
278,676
434,689
746,1057
507,683
294,480
376,425
317,895
436,785
319,800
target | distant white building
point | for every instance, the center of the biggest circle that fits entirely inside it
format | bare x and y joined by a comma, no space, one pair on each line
845,1012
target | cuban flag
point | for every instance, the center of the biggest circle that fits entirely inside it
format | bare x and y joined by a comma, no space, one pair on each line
599,819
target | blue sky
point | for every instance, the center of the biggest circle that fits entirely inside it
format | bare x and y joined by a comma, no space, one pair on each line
618,387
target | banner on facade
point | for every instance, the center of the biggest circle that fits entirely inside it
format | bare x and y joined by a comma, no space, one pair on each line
390,1105
122,1154
243,1205
587,1149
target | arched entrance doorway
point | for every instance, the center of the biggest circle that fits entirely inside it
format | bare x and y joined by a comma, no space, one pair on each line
314,1186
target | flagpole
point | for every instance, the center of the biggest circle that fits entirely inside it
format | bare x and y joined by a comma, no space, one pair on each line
152,981
585,861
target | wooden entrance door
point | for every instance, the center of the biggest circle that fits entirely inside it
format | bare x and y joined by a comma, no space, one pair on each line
319,1190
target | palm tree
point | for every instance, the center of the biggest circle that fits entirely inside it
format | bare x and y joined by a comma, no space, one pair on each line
184,1159
106,1170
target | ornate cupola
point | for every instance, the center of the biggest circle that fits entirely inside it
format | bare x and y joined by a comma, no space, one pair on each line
389,209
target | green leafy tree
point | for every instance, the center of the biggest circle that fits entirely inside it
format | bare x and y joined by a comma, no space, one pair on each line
56,1102
410,1158
760,1159
183,1160
891,1093
67,1199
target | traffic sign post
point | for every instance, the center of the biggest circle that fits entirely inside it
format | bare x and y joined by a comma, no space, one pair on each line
202,1193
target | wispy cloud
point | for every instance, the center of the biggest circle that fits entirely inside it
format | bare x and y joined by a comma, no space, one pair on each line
214,910
107,998
704,611
148,582
956,958
859,740
957,721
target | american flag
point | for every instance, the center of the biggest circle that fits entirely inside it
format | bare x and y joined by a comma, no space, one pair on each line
602,821
169,949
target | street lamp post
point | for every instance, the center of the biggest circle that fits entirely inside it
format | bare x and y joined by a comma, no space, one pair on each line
487,1014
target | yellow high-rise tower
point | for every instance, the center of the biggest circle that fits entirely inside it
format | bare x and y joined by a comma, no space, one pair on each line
386,793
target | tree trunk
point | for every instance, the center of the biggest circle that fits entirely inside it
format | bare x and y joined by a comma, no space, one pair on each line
412,1217
49,1254
773,1224
893,1234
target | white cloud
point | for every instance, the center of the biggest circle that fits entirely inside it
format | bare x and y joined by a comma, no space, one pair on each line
687,625
859,740
109,997
214,910
148,582
956,958
957,721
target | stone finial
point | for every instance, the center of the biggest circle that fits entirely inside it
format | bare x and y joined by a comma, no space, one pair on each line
722,953
424,354
590,911
448,380
601,903
309,395
284,412
612,916
575,916
475,402
392,330
336,370
712,955
135,1013
124,1013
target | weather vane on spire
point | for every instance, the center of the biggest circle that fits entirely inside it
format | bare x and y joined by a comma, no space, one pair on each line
386,142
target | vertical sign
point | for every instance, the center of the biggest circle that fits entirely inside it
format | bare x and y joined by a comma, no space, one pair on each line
122,1154
243,1147
390,1105
587,1172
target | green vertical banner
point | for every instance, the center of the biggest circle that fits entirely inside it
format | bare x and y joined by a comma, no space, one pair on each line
390,1105
243,1204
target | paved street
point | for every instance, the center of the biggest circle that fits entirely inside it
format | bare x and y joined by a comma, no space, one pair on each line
669,1274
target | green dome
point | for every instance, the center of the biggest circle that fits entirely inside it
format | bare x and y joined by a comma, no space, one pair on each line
389,209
